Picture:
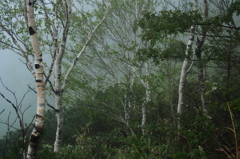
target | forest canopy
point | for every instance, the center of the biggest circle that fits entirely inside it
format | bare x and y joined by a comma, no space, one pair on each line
127,79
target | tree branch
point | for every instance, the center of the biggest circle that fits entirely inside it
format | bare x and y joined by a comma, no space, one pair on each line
83,49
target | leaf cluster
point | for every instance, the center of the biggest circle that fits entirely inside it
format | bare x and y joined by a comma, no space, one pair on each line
165,23
173,49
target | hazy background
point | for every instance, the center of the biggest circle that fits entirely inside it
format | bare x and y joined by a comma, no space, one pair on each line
15,77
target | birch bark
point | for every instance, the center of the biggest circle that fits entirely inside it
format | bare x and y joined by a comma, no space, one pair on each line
58,29
59,85
185,69
39,121
58,75
144,105
146,83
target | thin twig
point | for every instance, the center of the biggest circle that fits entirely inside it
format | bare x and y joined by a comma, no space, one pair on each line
234,130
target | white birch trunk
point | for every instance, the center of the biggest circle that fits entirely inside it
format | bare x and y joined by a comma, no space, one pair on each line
60,122
59,86
184,70
147,91
126,115
144,109
39,121
58,75
145,84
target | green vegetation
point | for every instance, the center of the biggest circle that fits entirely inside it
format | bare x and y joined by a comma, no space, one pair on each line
121,99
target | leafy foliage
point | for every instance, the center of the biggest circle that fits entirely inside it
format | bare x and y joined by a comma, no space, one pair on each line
107,91
167,22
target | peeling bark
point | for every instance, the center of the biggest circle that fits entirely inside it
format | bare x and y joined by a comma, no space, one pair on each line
39,118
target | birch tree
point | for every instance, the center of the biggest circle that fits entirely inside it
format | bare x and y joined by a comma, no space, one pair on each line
159,26
58,87
59,51
185,68
58,55
167,25
113,61
53,20
39,121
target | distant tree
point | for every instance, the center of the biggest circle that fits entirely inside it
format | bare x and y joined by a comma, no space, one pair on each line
112,58
21,131
159,26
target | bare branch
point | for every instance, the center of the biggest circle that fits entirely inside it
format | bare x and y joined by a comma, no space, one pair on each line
15,41
2,111
83,49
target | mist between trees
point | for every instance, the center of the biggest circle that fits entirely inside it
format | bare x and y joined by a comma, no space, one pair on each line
122,79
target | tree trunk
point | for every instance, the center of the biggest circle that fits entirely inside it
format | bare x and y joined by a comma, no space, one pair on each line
60,123
58,105
126,115
58,75
60,86
183,75
144,110
184,70
200,72
198,55
39,121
